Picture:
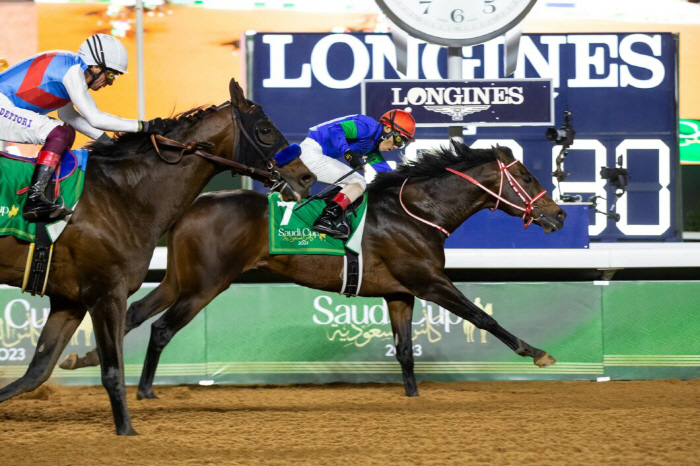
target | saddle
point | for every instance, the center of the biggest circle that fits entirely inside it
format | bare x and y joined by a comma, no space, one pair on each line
15,176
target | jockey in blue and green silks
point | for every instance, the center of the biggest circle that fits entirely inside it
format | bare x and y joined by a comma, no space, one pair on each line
359,139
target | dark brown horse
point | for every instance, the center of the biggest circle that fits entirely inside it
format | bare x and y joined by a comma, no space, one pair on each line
131,197
403,257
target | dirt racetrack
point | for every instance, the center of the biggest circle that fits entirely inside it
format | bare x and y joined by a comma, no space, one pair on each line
489,423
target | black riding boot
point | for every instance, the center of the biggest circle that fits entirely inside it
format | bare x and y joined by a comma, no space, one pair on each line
332,221
38,208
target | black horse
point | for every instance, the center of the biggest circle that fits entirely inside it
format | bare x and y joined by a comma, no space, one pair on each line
410,212
131,198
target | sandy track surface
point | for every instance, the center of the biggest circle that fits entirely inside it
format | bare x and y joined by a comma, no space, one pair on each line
489,423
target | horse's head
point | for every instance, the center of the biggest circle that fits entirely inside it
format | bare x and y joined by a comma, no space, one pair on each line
260,140
522,195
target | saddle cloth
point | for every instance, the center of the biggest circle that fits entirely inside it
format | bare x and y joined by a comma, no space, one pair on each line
292,233
15,177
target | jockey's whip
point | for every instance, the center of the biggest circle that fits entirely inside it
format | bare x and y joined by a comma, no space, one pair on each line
330,186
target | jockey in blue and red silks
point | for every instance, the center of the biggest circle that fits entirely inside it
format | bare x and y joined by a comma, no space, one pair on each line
355,138
59,80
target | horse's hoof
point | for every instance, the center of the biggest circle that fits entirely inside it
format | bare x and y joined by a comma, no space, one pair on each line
146,395
545,361
70,362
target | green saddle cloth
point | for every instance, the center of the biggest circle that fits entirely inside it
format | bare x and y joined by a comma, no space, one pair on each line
291,232
16,173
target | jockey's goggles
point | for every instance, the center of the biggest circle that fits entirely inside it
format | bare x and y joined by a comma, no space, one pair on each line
397,138
111,75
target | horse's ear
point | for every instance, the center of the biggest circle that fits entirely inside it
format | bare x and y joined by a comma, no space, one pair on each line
503,153
236,92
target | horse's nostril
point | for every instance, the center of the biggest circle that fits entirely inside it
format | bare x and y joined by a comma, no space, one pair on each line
308,179
561,215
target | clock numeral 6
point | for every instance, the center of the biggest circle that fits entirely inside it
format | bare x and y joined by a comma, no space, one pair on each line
457,16
489,7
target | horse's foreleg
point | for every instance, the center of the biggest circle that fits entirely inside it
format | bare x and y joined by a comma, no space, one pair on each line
63,319
401,314
185,308
108,325
138,313
443,293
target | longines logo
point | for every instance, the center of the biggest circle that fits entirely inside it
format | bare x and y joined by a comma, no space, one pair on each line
457,112
457,102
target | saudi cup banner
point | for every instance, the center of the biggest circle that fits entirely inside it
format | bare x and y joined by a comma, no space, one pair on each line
277,333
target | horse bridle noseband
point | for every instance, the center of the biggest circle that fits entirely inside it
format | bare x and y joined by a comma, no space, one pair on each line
270,174
519,190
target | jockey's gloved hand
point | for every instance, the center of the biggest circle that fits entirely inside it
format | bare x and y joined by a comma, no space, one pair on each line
354,158
154,126
105,138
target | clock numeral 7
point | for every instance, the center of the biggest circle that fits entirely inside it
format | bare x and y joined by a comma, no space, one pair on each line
489,6
427,4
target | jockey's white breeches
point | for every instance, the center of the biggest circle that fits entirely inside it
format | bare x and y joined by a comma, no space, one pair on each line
23,126
328,169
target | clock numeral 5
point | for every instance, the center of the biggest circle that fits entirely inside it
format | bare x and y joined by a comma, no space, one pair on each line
489,7
427,4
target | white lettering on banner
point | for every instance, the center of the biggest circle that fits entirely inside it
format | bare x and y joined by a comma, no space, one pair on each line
277,64
458,96
600,61
319,61
641,61
343,314
29,315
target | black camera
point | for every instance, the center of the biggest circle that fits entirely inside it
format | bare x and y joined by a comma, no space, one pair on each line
564,136
617,176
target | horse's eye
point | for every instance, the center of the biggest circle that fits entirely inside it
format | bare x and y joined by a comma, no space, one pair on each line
266,130
527,179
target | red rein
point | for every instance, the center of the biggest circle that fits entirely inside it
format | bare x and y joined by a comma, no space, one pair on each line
527,200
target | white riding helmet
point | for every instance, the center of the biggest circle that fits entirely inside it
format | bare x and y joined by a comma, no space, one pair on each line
104,50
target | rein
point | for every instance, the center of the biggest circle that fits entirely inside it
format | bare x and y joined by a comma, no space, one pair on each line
199,148
503,168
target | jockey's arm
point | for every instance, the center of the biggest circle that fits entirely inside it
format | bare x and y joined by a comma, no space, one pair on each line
378,163
70,115
339,136
75,84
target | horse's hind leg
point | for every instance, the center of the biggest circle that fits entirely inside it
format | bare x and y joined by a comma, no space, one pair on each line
442,292
185,308
63,319
108,325
401,314
140,311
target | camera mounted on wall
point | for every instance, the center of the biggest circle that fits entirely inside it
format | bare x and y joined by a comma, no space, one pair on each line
618,177
564,137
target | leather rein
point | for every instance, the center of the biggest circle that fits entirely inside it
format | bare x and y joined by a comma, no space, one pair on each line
200,149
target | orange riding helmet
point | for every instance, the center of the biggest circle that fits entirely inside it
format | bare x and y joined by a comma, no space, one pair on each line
400,121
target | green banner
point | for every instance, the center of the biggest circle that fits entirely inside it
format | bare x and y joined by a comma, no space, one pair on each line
280,333
689,141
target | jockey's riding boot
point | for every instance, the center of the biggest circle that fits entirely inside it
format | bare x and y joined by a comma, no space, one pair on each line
38,208
332,221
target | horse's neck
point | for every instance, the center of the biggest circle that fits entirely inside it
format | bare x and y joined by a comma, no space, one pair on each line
446,201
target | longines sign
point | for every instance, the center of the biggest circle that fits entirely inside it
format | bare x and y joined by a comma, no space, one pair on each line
474,102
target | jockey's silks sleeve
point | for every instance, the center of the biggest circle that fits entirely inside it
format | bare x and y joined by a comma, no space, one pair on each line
379,164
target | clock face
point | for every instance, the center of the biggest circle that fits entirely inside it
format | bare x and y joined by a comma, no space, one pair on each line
456,22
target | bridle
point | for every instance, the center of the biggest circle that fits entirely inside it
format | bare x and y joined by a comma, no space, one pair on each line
519,190
270,175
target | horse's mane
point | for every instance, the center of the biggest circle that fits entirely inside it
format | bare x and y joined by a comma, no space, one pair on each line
432,164
128,143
